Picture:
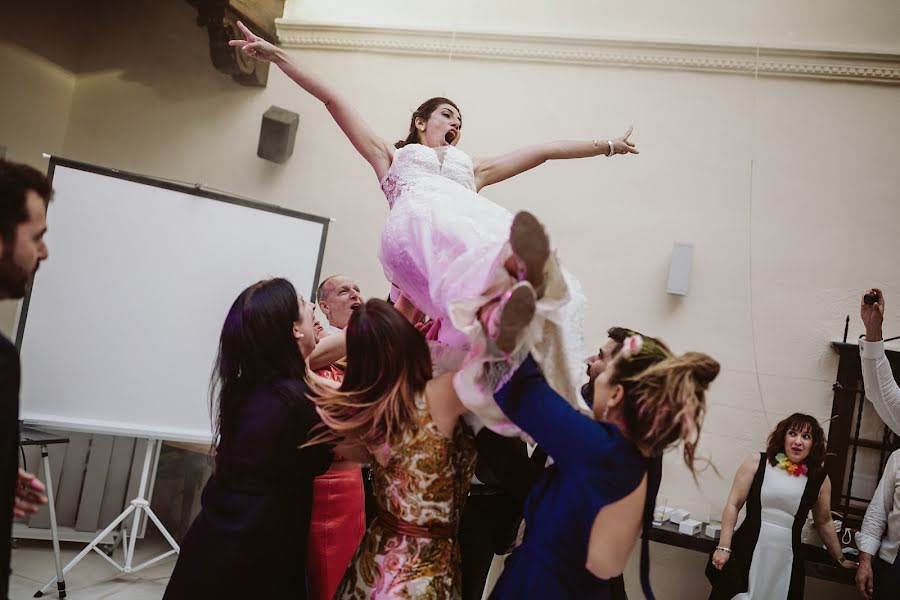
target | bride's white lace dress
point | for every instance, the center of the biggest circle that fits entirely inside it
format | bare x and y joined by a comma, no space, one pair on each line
444,246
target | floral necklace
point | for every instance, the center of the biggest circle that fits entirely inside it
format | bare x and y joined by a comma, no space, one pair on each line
791,467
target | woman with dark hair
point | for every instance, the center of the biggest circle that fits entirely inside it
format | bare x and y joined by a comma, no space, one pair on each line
586,513
406,424
251,534
458,256
760,561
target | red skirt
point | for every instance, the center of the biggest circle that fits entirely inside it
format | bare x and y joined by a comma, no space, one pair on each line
336,527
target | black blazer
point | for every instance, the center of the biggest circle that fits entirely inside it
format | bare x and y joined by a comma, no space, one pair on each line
10,374
504,464
249,540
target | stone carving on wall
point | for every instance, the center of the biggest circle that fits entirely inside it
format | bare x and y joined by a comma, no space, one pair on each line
219,18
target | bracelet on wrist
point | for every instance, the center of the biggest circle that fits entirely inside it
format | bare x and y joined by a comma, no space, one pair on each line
724,549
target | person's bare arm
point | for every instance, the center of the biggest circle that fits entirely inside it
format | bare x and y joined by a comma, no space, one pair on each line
499,168
825,525
743,479
377,151
329,350
443,403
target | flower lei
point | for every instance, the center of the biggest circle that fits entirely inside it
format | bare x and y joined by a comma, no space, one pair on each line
791,467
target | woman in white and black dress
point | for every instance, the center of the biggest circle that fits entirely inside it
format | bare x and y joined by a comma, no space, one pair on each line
761,560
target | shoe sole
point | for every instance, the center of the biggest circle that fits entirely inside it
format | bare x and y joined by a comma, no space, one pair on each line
530,243
517,314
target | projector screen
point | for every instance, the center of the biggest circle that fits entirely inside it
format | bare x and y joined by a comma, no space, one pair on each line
120,330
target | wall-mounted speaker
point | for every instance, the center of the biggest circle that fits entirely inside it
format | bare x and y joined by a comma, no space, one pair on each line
680,269
277,133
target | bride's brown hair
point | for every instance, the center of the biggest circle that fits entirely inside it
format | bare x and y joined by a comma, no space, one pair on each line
424,112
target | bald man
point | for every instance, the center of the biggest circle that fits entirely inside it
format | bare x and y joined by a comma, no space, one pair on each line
338,297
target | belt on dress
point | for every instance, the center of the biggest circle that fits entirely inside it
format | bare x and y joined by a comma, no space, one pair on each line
400,527
480,489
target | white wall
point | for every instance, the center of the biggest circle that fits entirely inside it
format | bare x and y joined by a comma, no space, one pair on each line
821,24
787,188
34,112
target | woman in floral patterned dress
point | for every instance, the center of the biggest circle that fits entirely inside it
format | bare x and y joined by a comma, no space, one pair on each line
390,411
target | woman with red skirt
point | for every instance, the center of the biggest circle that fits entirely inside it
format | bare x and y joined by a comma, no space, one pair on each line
338,519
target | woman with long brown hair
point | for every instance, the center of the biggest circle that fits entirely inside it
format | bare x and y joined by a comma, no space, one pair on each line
389,411
455,254
251,533
588,510
760,561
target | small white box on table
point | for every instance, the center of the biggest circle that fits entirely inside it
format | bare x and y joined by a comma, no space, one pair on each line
679,514
662,513
690,526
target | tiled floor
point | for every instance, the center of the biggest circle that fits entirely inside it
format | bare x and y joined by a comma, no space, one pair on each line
91,579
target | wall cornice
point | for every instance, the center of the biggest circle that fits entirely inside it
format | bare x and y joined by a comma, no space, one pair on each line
735,59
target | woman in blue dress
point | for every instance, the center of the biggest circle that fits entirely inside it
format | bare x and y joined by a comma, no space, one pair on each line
588,510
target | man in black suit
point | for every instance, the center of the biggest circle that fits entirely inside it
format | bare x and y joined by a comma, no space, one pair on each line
493,511
24,194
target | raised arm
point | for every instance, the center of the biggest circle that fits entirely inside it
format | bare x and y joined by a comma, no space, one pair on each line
499,168
444,404
377,151
743,479
878,380
564,433
328,351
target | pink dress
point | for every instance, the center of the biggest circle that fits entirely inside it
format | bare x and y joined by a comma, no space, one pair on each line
444,247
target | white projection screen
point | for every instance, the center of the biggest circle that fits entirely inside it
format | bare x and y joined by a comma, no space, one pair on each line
120,330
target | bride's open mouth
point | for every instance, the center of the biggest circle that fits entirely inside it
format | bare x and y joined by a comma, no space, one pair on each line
450,136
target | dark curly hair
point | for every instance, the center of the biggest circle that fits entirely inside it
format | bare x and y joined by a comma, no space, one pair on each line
15,181
799,422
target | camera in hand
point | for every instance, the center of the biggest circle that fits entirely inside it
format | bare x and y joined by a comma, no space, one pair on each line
870,298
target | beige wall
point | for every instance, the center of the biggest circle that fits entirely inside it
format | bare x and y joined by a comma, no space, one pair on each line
787,188
34,111
821,24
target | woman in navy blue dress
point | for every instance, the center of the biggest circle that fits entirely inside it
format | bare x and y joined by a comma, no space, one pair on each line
588,510
251,534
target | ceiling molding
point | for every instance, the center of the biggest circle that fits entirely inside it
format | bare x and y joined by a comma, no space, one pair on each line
742,60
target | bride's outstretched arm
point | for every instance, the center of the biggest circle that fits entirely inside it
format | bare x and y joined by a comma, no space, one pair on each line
499,168
377,151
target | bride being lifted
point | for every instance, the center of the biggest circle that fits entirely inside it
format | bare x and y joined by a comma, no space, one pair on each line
489,276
